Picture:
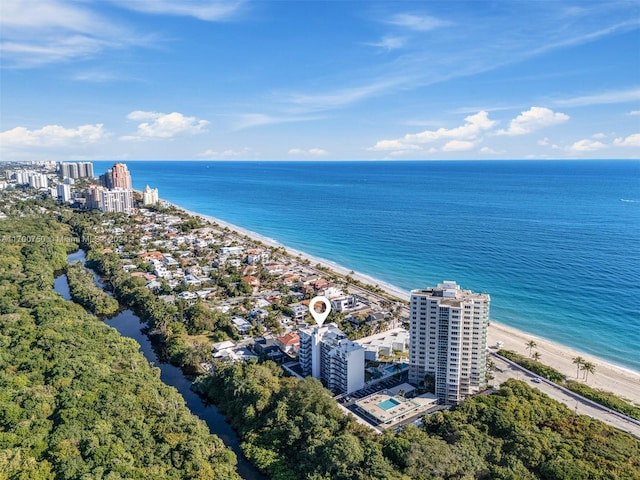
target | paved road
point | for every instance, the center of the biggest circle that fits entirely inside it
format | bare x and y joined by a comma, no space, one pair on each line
506,371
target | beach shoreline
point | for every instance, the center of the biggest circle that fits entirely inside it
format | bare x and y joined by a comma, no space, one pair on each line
608,376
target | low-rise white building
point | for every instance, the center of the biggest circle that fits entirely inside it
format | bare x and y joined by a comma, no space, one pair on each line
384,344
241,324
346,302
231,251
299,310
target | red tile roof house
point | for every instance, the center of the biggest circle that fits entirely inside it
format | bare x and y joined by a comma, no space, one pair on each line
289,343
155,255
254,282
251,280
147,276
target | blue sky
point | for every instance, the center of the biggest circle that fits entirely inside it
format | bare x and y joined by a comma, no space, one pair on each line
298,80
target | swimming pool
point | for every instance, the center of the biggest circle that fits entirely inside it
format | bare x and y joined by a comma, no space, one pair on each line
388,404
395,369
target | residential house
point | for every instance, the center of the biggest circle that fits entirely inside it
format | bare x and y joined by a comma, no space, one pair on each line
289,343
241,325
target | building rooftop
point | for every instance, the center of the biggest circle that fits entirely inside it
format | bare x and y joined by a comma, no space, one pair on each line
450,293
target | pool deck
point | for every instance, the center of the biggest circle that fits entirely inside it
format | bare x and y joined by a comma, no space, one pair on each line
370,406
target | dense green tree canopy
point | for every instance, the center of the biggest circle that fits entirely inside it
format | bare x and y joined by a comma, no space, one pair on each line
77,400
293,429
85,292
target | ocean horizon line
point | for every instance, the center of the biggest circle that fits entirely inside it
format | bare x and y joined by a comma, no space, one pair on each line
338,160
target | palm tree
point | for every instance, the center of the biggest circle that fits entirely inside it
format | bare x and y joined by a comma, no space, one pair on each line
588,368
578,362
531,345
536,356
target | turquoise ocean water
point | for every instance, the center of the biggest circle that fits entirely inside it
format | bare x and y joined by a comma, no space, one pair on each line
555,243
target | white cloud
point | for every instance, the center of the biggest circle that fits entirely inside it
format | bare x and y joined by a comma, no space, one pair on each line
47,14
394,145
586,145
243,153
161,125
142,115
634,113
318,151
457,146
52,136
39,32
388,43
421,23
314,152
96,77
458,138
402,153
546,143
344,96
533,119
630,141
249,120
209,10
490,151
620,96
473,125
599,135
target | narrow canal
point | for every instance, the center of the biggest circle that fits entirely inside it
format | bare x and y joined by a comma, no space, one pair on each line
128,324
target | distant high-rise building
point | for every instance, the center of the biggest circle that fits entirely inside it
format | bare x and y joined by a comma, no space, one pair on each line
76,169
449,340
326,354
38,180
149,196
68,170
106,180
93,197
88,169
63,191
120,176
22,176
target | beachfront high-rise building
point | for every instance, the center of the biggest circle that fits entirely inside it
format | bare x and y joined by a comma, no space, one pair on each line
449,340
117,176
328,355
120,176
76,169
149,196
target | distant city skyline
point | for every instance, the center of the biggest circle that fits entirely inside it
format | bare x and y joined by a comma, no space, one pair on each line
322,80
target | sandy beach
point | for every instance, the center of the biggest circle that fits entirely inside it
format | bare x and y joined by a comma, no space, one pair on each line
612,378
